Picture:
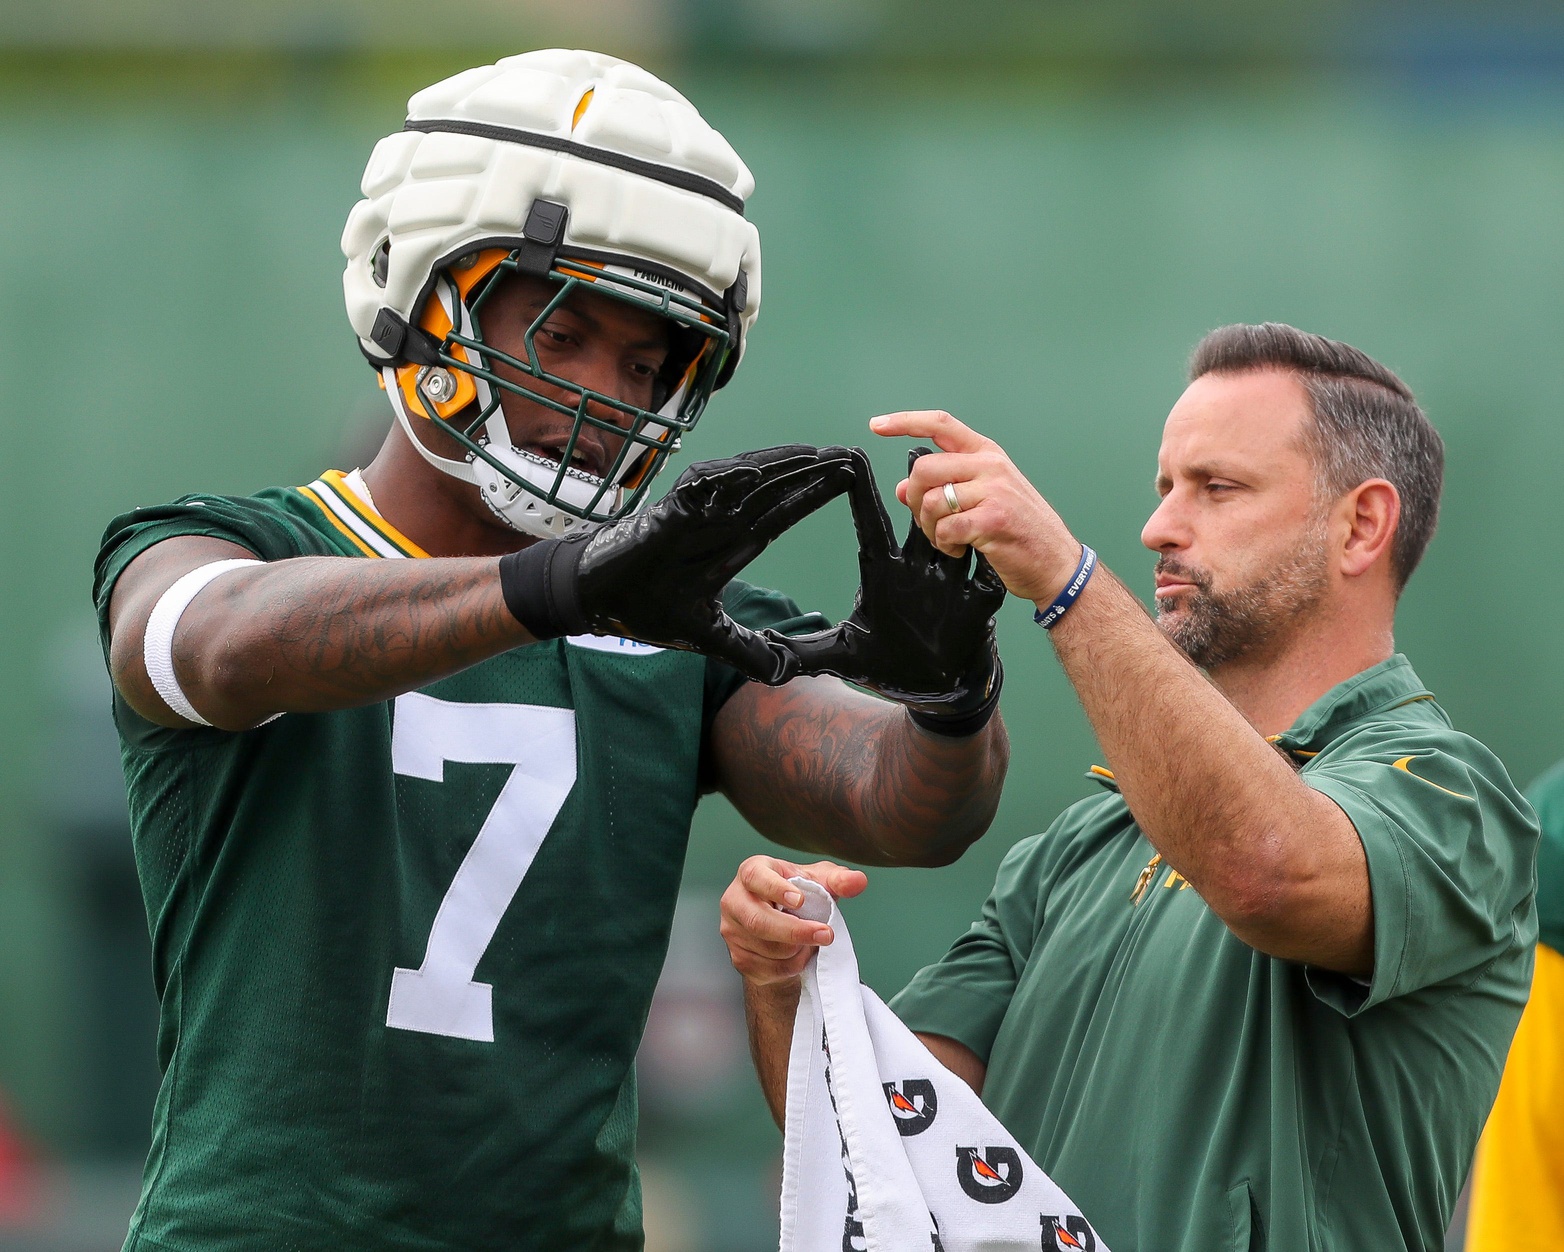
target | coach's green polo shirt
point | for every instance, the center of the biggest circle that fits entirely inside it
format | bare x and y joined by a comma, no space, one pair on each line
1194,1095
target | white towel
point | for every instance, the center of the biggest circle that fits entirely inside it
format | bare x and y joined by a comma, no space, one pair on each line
888,1151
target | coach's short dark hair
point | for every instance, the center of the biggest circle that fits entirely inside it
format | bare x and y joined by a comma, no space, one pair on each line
1366,422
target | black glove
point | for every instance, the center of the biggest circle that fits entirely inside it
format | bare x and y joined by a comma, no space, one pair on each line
658,575
922,630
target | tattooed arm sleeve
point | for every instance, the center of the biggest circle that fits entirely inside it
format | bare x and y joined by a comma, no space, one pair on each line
820,767
305,635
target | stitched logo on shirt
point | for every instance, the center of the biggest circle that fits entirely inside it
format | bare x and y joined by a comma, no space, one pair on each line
1405,768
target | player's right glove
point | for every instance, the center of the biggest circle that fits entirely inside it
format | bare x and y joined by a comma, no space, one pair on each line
658,575
922,630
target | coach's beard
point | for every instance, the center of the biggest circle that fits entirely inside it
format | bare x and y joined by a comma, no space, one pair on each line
1214,628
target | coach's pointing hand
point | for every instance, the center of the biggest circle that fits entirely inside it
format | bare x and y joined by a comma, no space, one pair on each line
922,628
997,511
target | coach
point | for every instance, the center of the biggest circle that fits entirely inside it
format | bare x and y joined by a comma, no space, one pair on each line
1257,993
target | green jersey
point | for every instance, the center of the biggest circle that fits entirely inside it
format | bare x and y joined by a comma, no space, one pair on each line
1191,1093
405,952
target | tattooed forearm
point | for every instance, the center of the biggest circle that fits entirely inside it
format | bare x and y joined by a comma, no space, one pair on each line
324,633
307,635
820,767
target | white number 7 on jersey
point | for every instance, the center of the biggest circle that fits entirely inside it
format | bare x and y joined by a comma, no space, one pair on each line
440,996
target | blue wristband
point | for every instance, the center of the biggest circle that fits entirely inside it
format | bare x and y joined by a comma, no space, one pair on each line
1049,618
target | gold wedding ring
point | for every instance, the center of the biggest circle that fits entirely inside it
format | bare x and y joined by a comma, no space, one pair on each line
951,503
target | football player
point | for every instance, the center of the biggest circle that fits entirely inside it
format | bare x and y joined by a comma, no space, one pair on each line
412,751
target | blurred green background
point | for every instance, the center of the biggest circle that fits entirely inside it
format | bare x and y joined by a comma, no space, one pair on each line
1024,212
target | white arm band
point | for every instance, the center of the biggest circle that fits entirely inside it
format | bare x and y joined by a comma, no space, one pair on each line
158,645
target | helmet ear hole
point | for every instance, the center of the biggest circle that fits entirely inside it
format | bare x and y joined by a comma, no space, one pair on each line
380,263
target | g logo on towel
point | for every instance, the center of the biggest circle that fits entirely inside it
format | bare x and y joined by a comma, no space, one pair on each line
1067,1234
991,1178
913,1106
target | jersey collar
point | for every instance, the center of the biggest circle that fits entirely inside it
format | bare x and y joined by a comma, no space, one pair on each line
353,516
1388,685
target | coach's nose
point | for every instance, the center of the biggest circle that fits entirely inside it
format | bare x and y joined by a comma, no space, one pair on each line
1168,528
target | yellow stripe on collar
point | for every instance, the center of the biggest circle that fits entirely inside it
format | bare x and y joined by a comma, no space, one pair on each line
1276,742
336,480
331,517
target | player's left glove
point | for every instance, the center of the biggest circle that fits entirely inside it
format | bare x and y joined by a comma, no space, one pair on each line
922,629
658,576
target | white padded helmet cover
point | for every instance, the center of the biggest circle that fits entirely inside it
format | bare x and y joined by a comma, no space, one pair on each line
433,193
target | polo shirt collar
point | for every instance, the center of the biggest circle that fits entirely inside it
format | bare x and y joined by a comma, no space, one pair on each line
1388,685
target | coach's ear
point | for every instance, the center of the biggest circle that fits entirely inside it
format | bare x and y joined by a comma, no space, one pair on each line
1367,518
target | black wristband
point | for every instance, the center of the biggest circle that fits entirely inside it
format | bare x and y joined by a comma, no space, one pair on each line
969,721
539,586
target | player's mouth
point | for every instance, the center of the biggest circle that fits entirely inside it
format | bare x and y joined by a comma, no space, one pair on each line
588,456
